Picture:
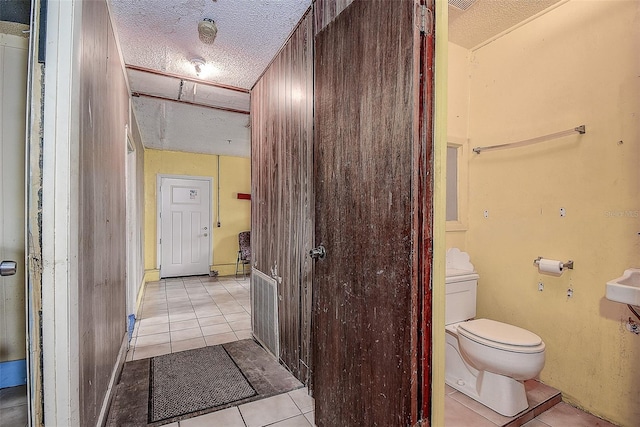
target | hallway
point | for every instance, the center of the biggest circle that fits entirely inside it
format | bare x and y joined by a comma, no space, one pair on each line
181,314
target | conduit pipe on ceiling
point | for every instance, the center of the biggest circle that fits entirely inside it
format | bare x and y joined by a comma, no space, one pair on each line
183,101
190,79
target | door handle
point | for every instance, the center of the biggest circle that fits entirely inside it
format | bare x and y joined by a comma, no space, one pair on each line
8,268
318,253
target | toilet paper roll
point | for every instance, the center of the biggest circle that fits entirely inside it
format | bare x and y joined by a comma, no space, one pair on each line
550,266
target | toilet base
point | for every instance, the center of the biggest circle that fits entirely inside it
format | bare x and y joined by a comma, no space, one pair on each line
502,394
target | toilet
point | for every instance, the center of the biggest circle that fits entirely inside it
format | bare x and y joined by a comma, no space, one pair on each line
485,359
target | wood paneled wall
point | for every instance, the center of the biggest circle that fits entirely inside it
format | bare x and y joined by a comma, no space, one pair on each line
101,229
282,193
325,11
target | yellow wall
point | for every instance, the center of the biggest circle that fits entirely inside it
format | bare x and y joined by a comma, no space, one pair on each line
235,215
457,92
457,123
578,64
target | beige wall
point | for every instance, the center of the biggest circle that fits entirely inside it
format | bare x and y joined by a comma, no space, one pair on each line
457,128
578,64
13,93
235,215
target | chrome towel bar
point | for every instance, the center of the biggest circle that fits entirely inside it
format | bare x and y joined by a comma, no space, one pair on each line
579,129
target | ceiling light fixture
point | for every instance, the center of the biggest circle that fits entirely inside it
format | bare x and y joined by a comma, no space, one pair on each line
198,65
207,31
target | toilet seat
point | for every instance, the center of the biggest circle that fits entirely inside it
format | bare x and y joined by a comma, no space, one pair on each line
501,336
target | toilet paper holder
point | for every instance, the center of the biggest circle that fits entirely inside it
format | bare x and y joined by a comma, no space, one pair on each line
568,264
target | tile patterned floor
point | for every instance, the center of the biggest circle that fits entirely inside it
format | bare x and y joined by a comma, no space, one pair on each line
181,314
185,313
462,411
459,406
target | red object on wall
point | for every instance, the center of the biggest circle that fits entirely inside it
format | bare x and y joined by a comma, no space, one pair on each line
244,196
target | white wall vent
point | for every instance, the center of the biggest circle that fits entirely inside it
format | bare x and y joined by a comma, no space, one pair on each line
264,311
462,4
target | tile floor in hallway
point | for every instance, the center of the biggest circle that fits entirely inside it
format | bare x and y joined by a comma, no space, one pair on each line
185,313
181,314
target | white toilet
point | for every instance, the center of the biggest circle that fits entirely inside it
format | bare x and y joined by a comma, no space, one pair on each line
486,360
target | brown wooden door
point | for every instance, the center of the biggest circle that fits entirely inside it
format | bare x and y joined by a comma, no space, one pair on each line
372,156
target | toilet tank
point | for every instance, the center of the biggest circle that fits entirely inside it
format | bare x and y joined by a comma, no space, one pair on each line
461,288
460,297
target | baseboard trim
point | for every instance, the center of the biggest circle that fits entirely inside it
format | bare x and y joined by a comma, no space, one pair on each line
113,382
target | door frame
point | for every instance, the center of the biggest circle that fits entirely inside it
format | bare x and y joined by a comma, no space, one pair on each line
159,178
135,261
55,272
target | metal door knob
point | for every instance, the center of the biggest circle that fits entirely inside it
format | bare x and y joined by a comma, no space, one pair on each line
8,268
318,253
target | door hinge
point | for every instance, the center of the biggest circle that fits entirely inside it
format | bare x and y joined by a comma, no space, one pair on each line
426,20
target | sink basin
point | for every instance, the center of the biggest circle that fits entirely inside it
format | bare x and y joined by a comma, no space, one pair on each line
625,289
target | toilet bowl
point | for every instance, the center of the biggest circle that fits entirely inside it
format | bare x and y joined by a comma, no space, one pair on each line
485,359
501,348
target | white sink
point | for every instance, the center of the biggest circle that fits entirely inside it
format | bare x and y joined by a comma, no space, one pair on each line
625,289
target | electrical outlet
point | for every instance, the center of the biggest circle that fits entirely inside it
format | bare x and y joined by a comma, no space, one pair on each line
563,212
540,286
569,293
486,214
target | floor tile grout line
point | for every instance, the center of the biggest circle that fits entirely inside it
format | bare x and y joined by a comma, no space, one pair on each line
185,307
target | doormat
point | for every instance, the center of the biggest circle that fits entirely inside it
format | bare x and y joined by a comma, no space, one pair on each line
190,381
131,403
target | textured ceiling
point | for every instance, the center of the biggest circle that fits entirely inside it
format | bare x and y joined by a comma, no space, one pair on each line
187,91
172,126
486,19
162,36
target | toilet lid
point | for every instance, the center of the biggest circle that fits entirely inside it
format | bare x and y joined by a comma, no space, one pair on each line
501,333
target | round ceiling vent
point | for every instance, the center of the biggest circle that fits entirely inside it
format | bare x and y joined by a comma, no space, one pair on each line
207,30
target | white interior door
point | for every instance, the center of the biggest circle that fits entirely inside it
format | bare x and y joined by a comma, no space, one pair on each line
13,94
185,218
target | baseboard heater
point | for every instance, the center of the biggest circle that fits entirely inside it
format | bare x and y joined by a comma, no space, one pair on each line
264,311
